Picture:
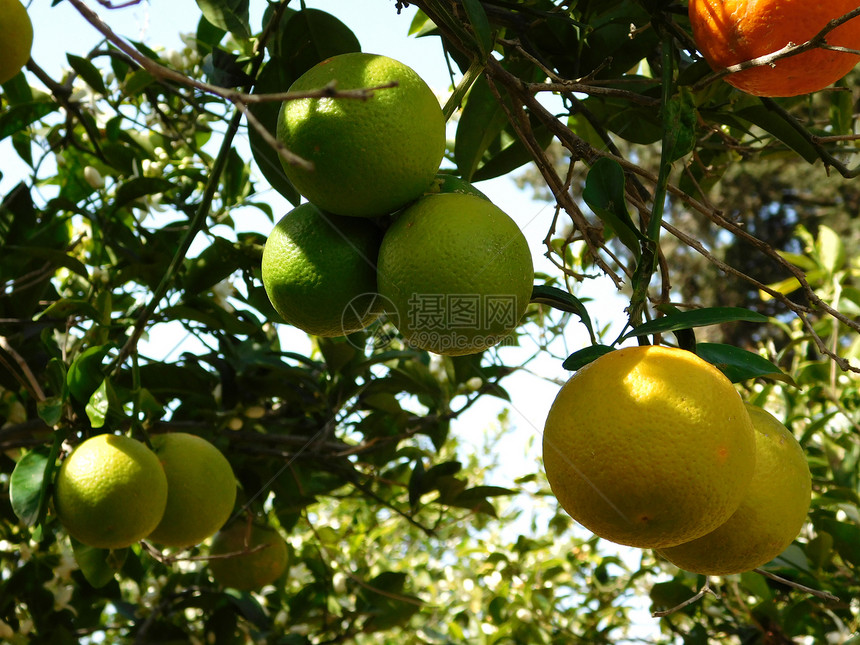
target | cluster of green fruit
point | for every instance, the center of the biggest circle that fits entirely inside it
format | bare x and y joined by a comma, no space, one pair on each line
653,447
113,491
383,230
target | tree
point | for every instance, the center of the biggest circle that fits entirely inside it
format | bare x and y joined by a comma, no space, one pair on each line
131,159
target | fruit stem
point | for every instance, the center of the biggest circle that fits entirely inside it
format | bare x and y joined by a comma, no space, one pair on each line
472,74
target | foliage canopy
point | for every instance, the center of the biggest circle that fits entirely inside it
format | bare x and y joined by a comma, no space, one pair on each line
720,217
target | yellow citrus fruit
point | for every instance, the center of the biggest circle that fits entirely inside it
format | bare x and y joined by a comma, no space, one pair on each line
455,274
728,32
252,556
110,492
370,156
770,516
201,489
649,447
319,271
16,38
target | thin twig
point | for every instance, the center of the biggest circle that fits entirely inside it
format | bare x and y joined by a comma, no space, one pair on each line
689,601
824,595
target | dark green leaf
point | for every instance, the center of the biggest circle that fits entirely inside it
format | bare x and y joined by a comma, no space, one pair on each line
17,117
680,119
138,187
696,318
223,68
604,194
270,81
480,124
308,37
85,373
26,486
583,357
229,15
50,410
739,364
98,566
513,155
87,71
773,122
208,36
563,301
480,26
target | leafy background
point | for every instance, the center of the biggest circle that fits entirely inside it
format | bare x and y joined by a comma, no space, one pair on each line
130,220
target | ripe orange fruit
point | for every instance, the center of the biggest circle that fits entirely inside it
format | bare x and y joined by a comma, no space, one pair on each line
455,273
649,447
370,156
319,271
110,492
728,32
770,516
253,556
16,38
201,489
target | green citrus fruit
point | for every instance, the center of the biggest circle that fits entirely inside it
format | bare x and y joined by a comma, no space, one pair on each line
370,156
649,447
201,489
16,38
455,274
110,492
319,271
445,182
770,516
252,556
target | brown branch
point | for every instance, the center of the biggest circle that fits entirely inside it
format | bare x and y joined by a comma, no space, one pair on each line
689,601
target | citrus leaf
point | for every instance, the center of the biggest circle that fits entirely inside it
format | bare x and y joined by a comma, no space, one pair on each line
87,71
26,486
98,566
604,194
774,123
480,123
98,405
831,250
563,301
696,318
480,25
85,373
739,364
583,357
229,15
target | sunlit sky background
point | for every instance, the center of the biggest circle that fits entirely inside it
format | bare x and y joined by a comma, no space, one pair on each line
380,30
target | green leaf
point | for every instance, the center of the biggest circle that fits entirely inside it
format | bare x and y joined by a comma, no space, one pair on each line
98,405
269,81
85,373
513,154
584,356
739,364
229,15
50,410
563,301
26,486
680,118
480,124
831,250
138,187
696,318
98,566
17,117
308,37
604,194
846,538
774,123
480,26
87,71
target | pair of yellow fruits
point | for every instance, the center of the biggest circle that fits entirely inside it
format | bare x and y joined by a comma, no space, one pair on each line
653,447
383,231
113,491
